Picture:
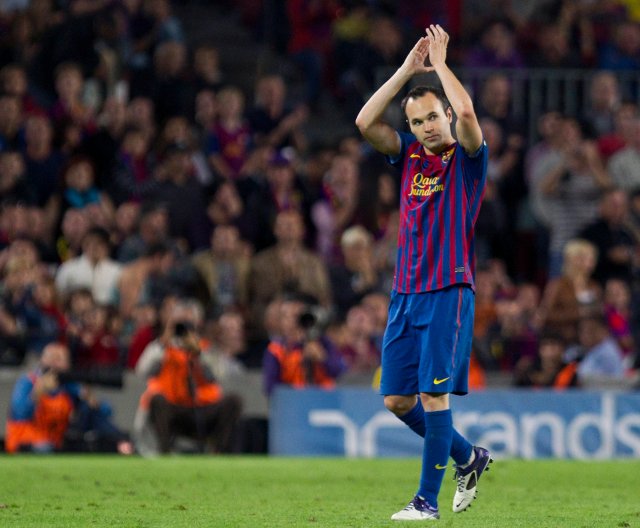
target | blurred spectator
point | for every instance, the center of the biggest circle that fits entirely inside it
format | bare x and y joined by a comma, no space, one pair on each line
282,190
310,23
614,241
603,101
79,190
182,396
224,268
206,68
548,368
125,223
102,146
141,115
571,185
45,410
205,113
617,311
150,323
624,128
296,359
496,101
554,48
287,267
41,407
179,130
573,295
41,315
14,81
73,228
357,347
598,354
13,183
338,207
10,121
497,47
93,269
357,275
171,90
378,306
273,122
359,62
96,345
624,165
43,162
178,190
133,285
622,51
229,143
228,346
485,314
226,207
69,105
152,229
385,251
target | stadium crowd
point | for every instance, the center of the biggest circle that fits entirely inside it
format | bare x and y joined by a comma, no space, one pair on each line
136,182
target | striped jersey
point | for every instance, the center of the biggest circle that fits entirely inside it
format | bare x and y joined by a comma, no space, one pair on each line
439,204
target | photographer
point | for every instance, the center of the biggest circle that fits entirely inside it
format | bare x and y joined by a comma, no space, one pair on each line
182,396
49,412
298,354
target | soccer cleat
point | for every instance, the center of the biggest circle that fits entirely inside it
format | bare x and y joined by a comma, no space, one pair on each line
417,510
467,479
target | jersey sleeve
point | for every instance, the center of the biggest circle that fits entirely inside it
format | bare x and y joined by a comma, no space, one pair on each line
476,164
474,168
405,140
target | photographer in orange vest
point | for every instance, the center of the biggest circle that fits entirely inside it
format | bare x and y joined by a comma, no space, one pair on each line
182,396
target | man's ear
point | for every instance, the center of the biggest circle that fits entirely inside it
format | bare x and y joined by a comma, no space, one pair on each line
450,114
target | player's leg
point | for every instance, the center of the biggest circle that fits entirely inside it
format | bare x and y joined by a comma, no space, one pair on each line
399,385
410,410
471,461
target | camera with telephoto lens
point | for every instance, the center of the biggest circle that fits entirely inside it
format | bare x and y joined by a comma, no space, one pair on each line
313,320
182,328
104,376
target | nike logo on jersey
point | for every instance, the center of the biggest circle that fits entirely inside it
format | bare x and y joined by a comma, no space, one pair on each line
414,156
437,381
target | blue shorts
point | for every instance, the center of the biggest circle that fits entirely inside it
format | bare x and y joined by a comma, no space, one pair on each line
427,342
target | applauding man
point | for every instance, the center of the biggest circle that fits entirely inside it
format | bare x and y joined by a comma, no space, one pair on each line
427,342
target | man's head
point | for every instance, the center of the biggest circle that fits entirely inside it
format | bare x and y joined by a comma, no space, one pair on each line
289,227
429,115
55,356
96,244
592,330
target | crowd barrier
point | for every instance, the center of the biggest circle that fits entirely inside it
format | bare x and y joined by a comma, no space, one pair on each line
352,422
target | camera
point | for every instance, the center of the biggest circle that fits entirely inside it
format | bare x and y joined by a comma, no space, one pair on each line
313,320
182,328
104,376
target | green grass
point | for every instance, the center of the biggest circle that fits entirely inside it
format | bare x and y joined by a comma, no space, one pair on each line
190,492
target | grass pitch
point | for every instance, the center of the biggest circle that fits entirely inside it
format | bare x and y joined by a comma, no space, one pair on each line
110,491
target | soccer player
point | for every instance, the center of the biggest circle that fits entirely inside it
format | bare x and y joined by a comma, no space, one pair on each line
427,342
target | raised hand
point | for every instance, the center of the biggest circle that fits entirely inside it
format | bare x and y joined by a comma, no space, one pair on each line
438,40
415,61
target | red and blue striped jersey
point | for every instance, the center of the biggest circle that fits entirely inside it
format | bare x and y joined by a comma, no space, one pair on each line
439,204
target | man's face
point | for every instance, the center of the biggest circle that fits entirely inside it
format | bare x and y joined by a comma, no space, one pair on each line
429,122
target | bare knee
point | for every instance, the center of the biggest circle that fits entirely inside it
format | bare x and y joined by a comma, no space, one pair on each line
434,401
399,405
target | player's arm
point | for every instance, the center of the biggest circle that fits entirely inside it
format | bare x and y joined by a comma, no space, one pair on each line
369,121
468,129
